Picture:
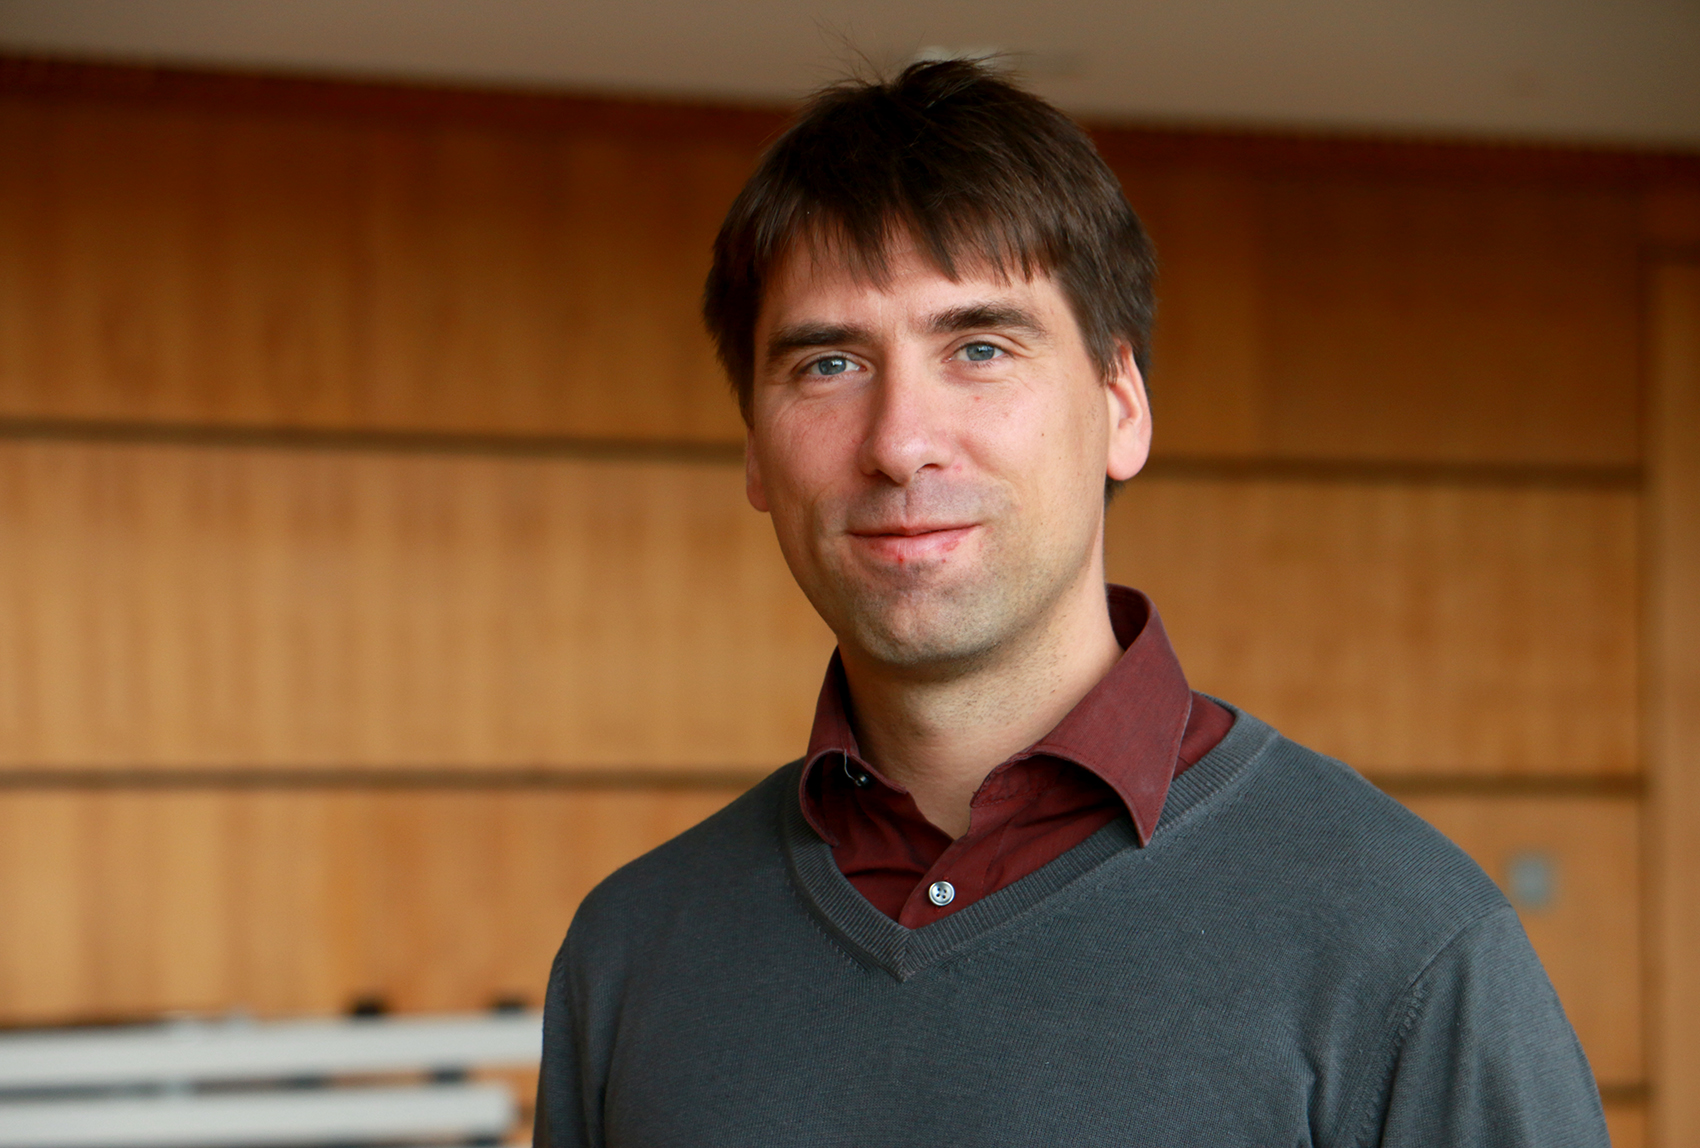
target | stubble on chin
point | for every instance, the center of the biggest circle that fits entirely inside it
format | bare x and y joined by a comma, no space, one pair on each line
924,625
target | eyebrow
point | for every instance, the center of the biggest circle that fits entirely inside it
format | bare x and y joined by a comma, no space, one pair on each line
802,336
968,317
987,316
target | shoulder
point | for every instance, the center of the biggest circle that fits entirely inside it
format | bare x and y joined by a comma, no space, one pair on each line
1372,837
713,864
1319,845
1398,961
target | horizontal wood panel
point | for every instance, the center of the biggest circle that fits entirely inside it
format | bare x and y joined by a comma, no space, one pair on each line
1572,866
1406,629
206,264
208,607
1627,1124
1670,215
1454,322
130,904
125,903
186,262
1327,315
177,606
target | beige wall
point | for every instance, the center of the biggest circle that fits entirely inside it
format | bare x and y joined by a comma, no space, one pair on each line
376,574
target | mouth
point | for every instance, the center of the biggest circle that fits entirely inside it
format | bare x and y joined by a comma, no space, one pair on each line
903,544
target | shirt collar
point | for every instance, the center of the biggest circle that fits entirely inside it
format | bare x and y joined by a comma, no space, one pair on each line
1126,731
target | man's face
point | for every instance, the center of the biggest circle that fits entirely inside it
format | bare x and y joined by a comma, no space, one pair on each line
933,453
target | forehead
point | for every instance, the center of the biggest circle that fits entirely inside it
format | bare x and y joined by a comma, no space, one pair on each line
821,281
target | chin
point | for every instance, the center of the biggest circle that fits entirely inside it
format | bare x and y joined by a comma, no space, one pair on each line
940,630
939,620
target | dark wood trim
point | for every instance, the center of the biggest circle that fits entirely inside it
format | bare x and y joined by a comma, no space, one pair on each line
1296,152
237,777
1630,787
1670,680
51,78
1123,143
1394,472
1625,786
308,438
1623,1094
1655,254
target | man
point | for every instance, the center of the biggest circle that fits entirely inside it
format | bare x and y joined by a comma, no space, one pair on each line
1024,887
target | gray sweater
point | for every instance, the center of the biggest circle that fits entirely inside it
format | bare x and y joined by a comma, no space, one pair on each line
1294,959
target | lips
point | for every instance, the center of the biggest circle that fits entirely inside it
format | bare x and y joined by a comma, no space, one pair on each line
905,530
907,543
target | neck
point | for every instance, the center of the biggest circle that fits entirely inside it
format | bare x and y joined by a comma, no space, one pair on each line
940,736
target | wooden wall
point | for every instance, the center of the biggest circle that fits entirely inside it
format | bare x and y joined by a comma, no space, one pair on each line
375,573
1673,693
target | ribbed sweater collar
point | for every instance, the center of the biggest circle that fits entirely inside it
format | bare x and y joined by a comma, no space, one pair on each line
876,941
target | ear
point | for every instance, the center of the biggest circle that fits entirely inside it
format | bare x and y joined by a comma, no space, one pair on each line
753,488
1130,418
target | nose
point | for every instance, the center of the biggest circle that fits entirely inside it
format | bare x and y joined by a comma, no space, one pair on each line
908,429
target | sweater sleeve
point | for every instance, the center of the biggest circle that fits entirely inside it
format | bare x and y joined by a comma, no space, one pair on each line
1487,1056
564,1117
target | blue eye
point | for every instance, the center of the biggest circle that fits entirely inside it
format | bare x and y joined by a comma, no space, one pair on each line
979,352
831,365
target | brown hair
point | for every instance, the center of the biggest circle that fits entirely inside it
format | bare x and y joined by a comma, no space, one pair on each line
973,167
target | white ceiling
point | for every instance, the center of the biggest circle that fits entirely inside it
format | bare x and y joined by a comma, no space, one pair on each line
1608,71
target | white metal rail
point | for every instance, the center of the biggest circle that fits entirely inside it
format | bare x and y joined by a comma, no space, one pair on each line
222,1050
272,1084
461,1112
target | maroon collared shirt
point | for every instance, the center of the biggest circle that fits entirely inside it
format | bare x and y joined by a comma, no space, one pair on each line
1112,756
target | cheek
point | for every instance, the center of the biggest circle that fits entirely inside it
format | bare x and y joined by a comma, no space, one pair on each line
1040,440
1082,431
804,455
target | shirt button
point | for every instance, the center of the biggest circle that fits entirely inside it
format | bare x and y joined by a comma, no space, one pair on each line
941,893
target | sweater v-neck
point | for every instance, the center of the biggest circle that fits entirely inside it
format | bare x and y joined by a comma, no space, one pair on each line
876,941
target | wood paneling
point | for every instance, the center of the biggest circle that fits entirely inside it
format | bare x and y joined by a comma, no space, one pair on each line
1627,1123
1582,857
195,262
132,903
206,264
200,606
1670,214
1450,334
1673,698
1326,316
176,606
1406,629
1453,322
1210,387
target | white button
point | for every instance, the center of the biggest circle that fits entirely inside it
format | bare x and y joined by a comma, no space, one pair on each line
941,892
